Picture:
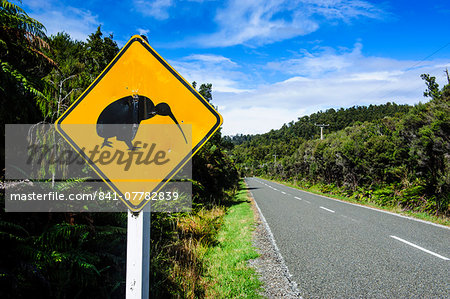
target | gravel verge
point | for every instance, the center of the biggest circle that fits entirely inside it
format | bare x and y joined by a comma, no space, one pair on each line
270,265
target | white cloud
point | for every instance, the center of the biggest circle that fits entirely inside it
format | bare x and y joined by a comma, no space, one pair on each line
260,119
157,9
210,58
345,10
78,23
143,31
322,80
328,60
222,72
256,22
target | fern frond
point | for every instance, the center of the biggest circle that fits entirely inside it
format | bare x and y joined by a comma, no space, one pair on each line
109,229
12,227
71,183
21,80
5,237
13,16
11,7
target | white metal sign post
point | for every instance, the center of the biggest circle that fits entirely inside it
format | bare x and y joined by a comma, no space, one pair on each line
138,254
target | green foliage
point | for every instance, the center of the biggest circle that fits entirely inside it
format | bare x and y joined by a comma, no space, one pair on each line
228,273
79,63
68,255
432,87
64,83
388,154
179,242
206,91
22,40
61,255
339,119
13,16
99,51
213,171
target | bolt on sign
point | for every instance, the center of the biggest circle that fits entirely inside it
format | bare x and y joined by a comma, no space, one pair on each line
138,123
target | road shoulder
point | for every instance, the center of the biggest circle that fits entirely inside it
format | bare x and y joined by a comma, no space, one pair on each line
270,264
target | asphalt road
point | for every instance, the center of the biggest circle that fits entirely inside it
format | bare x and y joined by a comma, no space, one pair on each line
339,250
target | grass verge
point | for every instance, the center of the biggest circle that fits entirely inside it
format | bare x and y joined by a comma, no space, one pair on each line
228,274
204,254
394,209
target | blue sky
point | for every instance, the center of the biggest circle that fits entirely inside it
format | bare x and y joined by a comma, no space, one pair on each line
271,62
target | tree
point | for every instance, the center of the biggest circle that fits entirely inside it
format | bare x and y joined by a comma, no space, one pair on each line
54,255
23,64
390,154
63,82
98,52
78,64
432,90
206,91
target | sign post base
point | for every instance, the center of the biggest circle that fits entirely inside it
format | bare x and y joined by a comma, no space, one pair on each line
138,255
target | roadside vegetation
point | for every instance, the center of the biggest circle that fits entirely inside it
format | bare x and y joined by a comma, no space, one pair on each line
83,255
390,155
205,254
228,274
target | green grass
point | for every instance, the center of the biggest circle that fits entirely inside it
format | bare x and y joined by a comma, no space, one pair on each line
228,274
419,215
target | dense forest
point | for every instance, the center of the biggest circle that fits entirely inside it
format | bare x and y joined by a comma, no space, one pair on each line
82,255
388,154
336,120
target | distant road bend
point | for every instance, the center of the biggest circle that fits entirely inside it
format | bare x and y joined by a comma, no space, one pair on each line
335,249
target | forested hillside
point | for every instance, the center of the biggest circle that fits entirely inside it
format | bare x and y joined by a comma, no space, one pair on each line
82,255
388,154
336,119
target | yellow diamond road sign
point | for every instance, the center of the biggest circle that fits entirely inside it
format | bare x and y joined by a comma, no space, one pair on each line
142,119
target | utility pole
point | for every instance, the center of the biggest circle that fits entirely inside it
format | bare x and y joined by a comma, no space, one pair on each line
321,129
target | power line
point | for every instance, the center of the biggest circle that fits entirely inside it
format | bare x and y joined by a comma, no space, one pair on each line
407,70
438,50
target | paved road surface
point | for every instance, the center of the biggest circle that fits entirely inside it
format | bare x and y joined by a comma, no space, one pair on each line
339,250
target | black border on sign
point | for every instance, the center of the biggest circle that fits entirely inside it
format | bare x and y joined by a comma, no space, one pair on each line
138,207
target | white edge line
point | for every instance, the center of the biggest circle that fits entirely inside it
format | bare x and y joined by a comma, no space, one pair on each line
331,211
421,248
370,208
277,250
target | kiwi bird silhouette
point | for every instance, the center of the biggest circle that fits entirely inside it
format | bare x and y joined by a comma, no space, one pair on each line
126,115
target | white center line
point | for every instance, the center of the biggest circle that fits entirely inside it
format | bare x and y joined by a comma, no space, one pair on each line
298,198
421,248
283,192
327,209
